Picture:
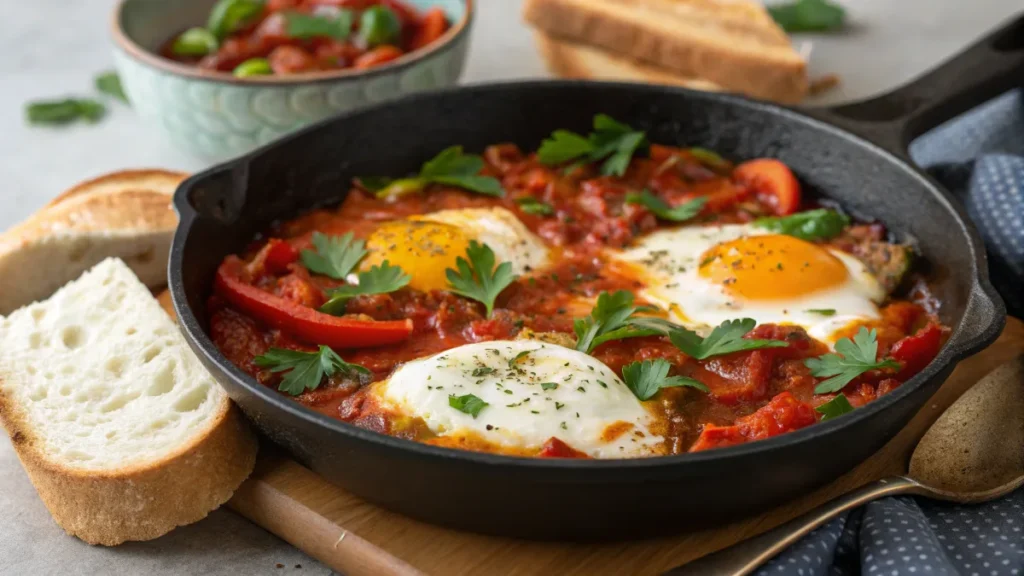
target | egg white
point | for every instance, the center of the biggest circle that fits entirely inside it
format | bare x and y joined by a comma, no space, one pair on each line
584,397
667,261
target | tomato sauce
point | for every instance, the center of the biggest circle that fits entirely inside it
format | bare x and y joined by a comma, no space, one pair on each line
752,395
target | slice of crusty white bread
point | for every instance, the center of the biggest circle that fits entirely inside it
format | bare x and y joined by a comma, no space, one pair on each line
572,60
125,214
734,44
121,430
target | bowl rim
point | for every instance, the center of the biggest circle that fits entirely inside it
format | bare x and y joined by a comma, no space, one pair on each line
961,343
132,49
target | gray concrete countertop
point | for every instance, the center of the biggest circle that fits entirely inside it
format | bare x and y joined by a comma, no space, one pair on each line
55,47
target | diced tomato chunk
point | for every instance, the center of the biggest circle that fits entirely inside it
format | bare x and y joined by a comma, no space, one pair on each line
291,60
432,27
915,352
555,448
378,56
773,182
783,414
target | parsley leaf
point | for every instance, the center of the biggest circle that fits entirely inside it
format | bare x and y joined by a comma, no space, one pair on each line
109,83
822,311
644,379
515,360
612,319
808,16
611,141
820,224
306,369
661,209
451,167
834,408
477,278
548,385
306,26
710,159
377,280
467,403
857,357
531,205
726,338
335,256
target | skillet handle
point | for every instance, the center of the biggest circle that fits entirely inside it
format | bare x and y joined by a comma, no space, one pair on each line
992,65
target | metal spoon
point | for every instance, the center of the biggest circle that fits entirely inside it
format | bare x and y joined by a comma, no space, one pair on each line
973,453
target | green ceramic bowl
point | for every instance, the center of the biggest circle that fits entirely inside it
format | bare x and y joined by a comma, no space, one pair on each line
217,116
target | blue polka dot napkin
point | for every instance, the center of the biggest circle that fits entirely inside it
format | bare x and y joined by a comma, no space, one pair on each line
980,158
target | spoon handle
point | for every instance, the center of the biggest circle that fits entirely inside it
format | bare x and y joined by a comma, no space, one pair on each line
748,555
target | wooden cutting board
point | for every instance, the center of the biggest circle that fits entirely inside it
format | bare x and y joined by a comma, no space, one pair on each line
356,538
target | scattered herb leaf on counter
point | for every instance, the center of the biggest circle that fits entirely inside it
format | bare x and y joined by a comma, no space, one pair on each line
661,209
808,15
109,83
612,319
724,339
451,167
820,224
467,403
335,256
306,369
56,112
307,26
477,278
855,357
531,205
644,379
612,142
834,408
377,280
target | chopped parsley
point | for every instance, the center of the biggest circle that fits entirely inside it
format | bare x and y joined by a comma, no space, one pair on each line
377,280
834,408
823,311
724,339
334,256
467,403
306,369
611,142
663,210
514,361
548,385
477,278
483,371
854,358
531,205
644,379
808,15
451,167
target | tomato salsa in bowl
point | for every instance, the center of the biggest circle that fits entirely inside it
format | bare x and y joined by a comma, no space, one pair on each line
220,78
602,296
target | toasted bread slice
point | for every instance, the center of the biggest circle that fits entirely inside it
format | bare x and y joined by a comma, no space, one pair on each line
571,60
120,428
126,215
734,44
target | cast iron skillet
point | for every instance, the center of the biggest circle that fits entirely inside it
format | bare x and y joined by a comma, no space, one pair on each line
855,154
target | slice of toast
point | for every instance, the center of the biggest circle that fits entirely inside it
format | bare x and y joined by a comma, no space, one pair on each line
120,428
125,214
734,44
572,60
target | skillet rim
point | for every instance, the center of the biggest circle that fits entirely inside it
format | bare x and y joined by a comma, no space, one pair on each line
949,355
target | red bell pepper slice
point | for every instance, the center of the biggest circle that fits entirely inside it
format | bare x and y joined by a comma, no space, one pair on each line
304,323
915,352
783,414
431,28
773,182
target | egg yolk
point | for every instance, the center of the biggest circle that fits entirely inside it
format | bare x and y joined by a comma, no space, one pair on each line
772,267
424,250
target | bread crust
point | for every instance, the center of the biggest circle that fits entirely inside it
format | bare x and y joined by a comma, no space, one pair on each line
142,501
126,214
571,60
737,47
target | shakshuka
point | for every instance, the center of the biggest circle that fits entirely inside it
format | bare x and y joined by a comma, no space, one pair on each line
602,297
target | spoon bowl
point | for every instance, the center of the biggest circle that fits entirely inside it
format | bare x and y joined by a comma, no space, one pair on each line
973,453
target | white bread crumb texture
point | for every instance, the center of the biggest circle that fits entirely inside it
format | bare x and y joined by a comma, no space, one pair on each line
102,376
